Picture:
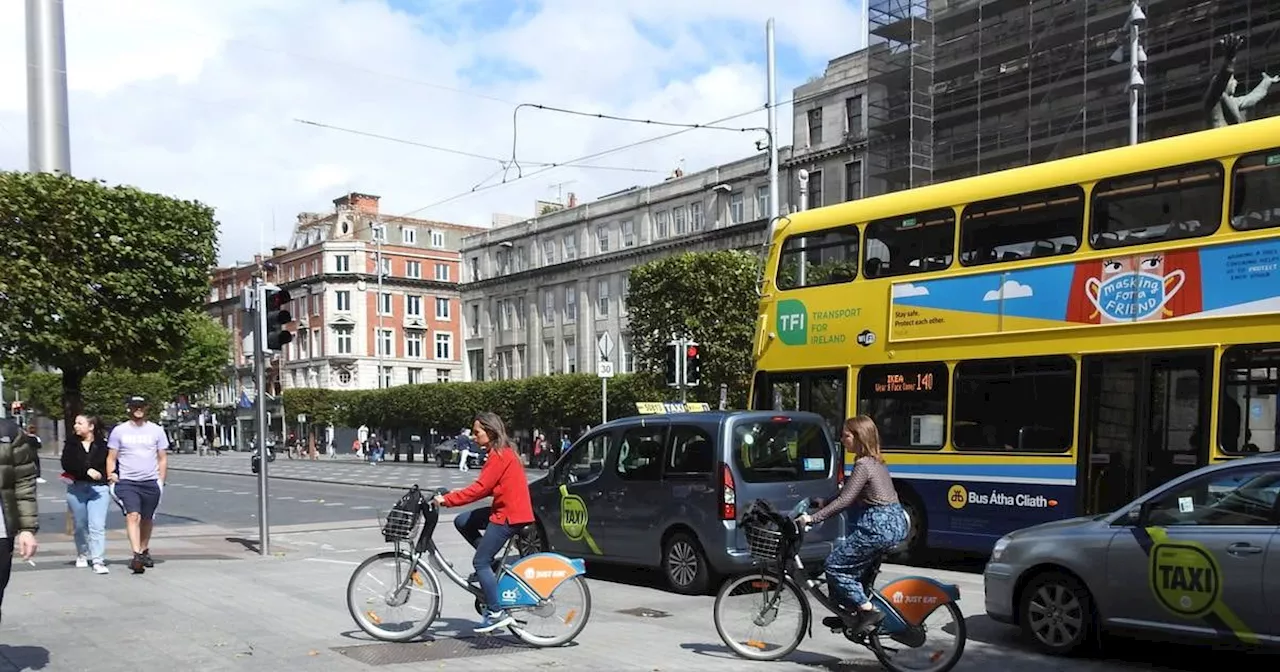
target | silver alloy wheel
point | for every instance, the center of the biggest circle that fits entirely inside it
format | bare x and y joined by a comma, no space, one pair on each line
682,563
1055,615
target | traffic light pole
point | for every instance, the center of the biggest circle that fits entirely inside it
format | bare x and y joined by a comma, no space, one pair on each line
259,317
682,360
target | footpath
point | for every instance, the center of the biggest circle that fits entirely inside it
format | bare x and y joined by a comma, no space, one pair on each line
212,603
340,470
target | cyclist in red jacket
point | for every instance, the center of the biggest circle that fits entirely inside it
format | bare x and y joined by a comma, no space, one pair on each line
489,527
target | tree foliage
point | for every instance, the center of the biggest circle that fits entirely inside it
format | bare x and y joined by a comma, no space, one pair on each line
710,296
202,357
104,393
95,276
546,402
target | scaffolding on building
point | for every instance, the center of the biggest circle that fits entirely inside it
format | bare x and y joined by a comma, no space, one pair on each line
900,83
1014,82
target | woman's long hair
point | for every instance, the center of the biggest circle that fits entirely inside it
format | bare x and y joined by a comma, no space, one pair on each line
99,429
493,426
866,438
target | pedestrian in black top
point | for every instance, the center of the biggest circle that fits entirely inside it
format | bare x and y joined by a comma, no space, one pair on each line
84,461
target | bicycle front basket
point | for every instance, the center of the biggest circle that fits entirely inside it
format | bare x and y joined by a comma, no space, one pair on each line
763,543
399,523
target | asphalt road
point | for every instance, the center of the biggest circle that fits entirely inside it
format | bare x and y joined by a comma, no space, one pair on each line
230,500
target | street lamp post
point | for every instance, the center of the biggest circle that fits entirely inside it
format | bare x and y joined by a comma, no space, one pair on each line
379,231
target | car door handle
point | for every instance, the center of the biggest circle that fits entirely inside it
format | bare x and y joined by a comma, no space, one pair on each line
1244,549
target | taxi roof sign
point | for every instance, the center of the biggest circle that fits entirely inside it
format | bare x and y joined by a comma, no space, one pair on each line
657,407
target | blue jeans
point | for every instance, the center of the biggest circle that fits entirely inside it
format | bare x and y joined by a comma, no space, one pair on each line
89,503
875,531
487,538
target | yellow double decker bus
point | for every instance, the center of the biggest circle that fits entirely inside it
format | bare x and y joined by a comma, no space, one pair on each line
1042,342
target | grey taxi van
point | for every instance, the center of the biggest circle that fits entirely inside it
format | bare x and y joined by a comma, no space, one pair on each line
665,491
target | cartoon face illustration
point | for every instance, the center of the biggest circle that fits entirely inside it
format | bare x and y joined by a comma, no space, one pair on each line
1133,289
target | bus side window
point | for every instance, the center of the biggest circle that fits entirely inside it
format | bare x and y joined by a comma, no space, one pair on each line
1255,191
1039,224
820,258
1249,399
913,243
1166,204
1025,404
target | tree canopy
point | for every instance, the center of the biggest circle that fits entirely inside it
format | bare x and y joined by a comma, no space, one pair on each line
97,276
710,296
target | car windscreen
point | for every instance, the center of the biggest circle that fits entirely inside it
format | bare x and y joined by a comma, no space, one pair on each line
780,449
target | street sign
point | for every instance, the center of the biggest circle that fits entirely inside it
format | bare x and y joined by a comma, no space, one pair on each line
606,346
604,369
302,418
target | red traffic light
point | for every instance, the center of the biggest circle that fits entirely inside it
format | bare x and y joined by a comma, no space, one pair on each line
277,300
692,351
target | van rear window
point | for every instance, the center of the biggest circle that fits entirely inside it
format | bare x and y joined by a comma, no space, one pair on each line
781,450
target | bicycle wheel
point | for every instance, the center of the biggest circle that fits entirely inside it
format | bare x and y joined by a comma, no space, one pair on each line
934,654
760,602
373,589
567,609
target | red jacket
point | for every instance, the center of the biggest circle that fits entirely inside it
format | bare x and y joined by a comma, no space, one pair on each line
502,477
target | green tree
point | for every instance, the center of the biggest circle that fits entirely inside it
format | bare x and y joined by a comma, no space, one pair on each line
95,276
710,296
103,393
202,357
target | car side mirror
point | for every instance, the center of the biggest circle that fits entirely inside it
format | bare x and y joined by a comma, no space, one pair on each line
1135,515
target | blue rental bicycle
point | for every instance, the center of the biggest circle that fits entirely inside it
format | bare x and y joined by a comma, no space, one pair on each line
395,595
773,598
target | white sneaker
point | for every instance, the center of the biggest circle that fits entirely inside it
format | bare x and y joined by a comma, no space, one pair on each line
99,568
41,480
82,561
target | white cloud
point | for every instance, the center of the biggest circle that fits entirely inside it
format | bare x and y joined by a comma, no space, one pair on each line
198,99
907,290
1011,289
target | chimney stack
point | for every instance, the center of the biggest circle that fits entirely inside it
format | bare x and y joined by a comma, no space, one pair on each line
366,203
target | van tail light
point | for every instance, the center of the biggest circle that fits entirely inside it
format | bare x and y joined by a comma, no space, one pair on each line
840,471
728,498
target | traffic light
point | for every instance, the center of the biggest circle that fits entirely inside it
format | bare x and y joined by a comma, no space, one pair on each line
673,365
277,316
692,365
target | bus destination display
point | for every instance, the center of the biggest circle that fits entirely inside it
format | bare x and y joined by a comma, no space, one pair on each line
904,382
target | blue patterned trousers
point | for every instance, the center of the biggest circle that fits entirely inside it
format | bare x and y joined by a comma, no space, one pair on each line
874,531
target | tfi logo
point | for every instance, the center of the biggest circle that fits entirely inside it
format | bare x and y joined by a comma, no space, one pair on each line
793,322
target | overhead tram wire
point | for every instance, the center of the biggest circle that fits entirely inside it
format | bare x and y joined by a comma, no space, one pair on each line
448,150
572,163
515,126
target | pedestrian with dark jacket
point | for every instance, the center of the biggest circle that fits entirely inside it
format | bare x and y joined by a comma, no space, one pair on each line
20,519
84,461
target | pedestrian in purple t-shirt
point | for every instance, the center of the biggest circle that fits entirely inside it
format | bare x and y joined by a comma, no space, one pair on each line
137,463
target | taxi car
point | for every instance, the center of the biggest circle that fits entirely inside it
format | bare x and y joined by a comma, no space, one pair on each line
1196,558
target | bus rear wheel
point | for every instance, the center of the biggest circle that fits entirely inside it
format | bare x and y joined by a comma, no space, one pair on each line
913,545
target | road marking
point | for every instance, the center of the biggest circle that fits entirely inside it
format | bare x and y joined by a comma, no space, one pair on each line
241,493
307,501
332,561
334,504
361,508
223,491
288,497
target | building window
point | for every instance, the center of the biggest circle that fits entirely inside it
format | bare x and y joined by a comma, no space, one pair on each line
548,252
475,269
291,271
384,337
518,313
503,261
386,266
473,329
344,377
549,307
815,189
737,210
662,225
443,375
627,357
386,376
442,272
626,289
413,269
384,303
602,239
853,116
342,263
444,345
315,267
815,127
602,297
762,202
409,235
442,308
504,314
343,337
548,357
413,305
680,217
570,356
628,233
379,233
437,239
415,376
413,345
570,303
343,297
570,247
852,180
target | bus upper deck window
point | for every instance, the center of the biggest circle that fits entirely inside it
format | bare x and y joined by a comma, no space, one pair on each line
819,258
1255,191
913,243
1167,204
1025,226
